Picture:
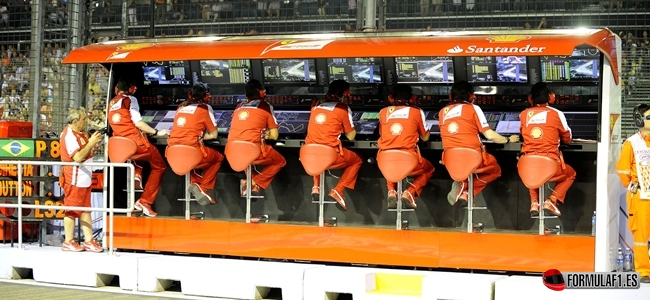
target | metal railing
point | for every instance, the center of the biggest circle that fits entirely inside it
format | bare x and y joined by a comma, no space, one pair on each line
111,210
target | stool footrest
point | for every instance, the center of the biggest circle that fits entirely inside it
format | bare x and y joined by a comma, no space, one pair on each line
184,200
403,209
545,217
254,197
326,201
137,191
475,208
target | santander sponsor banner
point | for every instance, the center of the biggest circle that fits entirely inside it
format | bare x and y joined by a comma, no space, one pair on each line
474,49
493,46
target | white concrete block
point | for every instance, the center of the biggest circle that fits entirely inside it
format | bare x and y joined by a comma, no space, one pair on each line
360,282
50,264
449,285
532,287
227,278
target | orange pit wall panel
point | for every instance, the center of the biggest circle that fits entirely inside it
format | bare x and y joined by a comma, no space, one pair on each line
433,249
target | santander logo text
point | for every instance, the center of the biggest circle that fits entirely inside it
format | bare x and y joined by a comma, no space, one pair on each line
506,50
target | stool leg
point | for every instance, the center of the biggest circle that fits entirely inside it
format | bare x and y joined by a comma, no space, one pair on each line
187,196
321,201
399,205
470,203
248,193
541,210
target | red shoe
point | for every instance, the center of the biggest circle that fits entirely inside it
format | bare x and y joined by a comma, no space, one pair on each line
457,192
551,207
255,189
137,183
202,196
392,199
407,196
534,209
338,197
315,194
93,246
72,246
145,208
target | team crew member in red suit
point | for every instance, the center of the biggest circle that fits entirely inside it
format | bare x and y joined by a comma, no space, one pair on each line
193,123
76,180
125,120
329,118
460,124
251,121
542,128
400,126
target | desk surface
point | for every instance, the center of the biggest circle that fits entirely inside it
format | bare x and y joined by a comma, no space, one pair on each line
435,145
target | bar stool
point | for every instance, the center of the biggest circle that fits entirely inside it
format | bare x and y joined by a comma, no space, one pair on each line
316,159
535,171
242,156
183,159
463,163
396,165
121,149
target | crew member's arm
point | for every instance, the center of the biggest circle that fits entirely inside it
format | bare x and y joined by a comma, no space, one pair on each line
624,164
522,122
77,152
272,125
488,133
563,127
211,131
348,126
422,130
136,118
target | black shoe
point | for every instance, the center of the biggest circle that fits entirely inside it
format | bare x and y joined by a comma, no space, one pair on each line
392,199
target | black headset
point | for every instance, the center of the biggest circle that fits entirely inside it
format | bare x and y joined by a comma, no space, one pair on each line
639,119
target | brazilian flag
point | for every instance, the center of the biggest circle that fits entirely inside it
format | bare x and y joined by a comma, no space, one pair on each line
16,148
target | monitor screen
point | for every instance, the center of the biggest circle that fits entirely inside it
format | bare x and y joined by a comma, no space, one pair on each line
584,125
432,122
582,65
292,122
159,119
493,118
424,69
289,70
225,71
165,73
355,70
365,122
223,119
481,69
509,124
511,69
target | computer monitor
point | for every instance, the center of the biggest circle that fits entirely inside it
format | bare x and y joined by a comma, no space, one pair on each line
582,65
225,71
497,69
289,70
584,125
424,69
292,122
167,121
166,73
223,119
365,123
509,124
355,70
511,69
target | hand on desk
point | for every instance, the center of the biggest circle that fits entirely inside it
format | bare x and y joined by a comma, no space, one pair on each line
513,138
162,132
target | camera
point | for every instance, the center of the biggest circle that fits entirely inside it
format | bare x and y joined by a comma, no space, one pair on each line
101,131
